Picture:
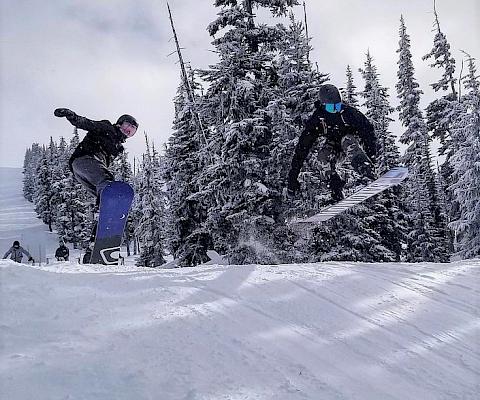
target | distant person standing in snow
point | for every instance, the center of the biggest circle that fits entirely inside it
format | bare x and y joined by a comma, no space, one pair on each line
16,253
346,132
102,144
62,253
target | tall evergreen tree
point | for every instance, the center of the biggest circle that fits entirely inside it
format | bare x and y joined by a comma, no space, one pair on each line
466,167
429,238
442,111
349,93
150,204
189,239
44,191
378,111
242,221
60,173
388,216
74,219
290,107
291,104
30,164
122,169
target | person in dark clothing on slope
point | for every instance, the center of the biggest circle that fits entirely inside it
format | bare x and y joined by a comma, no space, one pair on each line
345,131
102,144
94,154
62,253
16,253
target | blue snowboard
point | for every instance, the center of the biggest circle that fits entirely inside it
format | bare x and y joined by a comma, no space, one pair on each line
115,202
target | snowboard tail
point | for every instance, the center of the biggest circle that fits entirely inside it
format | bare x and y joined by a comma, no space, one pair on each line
115,202
391,178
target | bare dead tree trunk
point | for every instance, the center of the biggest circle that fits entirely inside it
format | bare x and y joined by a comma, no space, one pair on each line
306,30
186,82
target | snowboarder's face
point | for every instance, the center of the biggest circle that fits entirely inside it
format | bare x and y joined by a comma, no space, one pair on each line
128,129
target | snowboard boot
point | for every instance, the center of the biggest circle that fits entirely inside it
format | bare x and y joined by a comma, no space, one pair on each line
364,167
87,256
336,186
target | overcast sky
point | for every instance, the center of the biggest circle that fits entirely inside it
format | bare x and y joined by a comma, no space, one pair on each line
104,58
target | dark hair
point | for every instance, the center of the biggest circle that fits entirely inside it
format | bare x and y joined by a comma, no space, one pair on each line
16,243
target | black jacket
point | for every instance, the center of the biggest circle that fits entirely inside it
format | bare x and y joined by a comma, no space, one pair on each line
103,140
334,127
63,252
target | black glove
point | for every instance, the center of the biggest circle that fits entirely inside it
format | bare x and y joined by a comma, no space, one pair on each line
63,112
31,259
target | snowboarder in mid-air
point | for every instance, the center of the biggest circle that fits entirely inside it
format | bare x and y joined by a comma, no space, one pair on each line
91,159
346,133
102,144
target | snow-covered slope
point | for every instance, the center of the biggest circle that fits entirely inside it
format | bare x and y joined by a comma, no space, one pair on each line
18,220
288,332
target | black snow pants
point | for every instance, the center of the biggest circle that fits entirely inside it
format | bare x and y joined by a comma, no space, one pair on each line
330,154
92,174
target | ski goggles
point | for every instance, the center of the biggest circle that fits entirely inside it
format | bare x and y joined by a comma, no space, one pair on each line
333,107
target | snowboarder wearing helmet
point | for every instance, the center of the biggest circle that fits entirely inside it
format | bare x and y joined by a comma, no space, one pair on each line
102,144
345,131
16,253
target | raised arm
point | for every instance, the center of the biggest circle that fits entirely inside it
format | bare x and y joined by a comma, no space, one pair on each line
77,120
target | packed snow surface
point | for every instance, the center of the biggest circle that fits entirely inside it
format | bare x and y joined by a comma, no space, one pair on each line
313,331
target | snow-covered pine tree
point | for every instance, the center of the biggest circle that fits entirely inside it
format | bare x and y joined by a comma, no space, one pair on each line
122,169
429,238
243,220
388,215
466,167
349,93
378,111
290,107
442,60
44,191
292,103
188,238
150,206
30,164
28,180
60,172
74,219
441,112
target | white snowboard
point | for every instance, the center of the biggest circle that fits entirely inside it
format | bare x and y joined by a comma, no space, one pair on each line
387,180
